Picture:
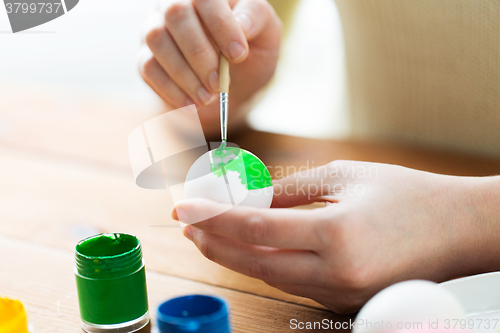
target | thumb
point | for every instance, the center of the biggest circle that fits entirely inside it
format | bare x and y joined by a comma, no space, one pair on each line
302,188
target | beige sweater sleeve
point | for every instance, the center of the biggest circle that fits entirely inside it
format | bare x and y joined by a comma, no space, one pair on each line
424,72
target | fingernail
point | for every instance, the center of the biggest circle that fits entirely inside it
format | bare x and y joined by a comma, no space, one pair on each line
236,50
205,97
245,22
189,101
213,80
188,232
174,215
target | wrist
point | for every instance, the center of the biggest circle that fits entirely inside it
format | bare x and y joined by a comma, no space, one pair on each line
480,225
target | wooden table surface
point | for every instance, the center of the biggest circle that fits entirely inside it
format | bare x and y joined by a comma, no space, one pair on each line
65,175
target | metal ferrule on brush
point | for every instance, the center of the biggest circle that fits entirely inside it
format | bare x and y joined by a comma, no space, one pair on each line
223,115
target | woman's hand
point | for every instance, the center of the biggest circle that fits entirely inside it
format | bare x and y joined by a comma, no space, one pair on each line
381,224
185,37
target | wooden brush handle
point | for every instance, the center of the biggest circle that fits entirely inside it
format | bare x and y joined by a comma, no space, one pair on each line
223,74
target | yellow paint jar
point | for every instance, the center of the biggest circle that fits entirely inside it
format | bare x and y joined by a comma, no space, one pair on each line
13,317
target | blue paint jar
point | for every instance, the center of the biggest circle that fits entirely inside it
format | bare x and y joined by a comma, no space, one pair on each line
194,314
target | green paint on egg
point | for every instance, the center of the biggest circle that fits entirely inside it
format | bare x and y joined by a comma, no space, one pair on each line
253,173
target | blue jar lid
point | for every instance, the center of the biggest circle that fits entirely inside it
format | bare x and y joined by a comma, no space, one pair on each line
194,314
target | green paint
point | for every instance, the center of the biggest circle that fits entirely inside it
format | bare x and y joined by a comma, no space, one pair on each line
107,245
253,173
110,279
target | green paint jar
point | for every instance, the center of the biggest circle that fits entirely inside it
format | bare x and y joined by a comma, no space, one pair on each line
111,283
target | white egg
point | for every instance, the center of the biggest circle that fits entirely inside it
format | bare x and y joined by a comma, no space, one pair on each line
409,305
244,180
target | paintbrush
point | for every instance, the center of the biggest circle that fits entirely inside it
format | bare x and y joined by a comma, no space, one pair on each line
223,155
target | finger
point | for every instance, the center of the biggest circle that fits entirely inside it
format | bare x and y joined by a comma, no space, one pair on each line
187,31
304,187
268,264
279,228
219,19
175,65
160,82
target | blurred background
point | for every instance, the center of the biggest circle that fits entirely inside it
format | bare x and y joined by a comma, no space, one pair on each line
93,49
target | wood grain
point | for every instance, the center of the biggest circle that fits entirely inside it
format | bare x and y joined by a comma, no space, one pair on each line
57,202
58,184
80,126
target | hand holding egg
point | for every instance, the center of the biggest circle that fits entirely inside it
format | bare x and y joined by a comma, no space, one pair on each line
363,240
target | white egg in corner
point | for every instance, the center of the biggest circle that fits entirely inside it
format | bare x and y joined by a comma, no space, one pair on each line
243,179
409,305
